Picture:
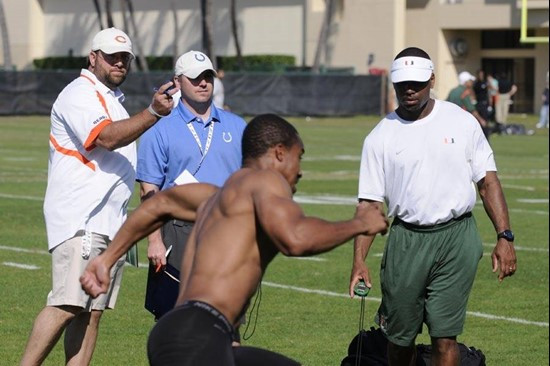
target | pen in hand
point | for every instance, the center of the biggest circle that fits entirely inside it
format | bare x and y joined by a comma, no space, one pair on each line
156,89
159,265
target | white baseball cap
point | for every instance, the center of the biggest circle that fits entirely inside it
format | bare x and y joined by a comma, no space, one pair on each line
464,77
112,40
192,64
411,68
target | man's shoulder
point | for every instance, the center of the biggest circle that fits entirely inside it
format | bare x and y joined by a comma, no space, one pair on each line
169,121
381,128
264,179
446,106
78,86
77,93
230,117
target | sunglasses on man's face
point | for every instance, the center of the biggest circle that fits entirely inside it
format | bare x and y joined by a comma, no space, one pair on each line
114,58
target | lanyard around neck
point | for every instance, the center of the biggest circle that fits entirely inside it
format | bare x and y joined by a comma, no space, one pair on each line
199,144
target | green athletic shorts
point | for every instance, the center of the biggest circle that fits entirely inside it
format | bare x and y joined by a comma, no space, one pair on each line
426,276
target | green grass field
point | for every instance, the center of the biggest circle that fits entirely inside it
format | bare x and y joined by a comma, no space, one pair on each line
304,310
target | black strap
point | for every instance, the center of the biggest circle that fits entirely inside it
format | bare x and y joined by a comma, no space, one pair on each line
359,350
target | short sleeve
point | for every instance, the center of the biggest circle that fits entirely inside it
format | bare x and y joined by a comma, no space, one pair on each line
371,171
152,158
482,160
84,112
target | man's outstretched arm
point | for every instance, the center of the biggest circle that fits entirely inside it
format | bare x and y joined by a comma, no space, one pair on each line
180,202
296,234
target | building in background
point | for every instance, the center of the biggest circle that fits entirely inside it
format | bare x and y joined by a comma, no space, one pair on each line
363,34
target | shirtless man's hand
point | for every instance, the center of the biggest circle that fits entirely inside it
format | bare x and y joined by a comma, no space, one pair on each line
373,219
95,279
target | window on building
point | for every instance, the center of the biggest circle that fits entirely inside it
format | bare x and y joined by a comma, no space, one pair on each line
507,38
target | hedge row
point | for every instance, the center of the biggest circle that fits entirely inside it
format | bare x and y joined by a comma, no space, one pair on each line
71,62
270,63
257,63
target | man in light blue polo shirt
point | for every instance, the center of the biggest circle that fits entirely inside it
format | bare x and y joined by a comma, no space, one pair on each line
196,142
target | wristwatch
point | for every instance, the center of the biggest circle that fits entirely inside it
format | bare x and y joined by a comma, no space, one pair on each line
506,234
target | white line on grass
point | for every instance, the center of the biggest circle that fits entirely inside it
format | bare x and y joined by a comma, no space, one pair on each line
314,259
315,200
522,188
532,200
471,313
19,159
513,320
19,197
287,287
492,245
519,247
326,200
536,212
333,158
20,265
24,250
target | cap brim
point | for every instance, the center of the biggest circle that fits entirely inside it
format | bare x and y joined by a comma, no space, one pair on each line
110,50
194,73
409,74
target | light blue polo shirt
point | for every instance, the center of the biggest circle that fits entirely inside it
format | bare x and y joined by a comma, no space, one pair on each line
170,147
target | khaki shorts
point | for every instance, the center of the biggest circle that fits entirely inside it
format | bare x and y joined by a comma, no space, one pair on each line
69,259
426,276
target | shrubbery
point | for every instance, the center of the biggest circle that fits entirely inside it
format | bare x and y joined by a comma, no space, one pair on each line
268,63
156,63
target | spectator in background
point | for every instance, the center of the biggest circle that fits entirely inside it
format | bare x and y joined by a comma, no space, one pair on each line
90,180
463,96
506,89
195,143
492,87
543,117
481,90
219,92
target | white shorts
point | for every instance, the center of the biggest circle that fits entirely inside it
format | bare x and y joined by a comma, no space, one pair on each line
69,259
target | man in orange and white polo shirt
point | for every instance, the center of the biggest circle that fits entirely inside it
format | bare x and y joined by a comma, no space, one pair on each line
90,180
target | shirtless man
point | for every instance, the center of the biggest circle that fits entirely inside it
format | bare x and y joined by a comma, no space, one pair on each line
238,231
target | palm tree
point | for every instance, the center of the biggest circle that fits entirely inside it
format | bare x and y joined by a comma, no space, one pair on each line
207,29
109,13
233,12
124,17
5,38
98,12
175,15
323,35
136,40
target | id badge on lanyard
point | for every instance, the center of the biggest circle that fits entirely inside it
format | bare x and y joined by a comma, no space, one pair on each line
199,144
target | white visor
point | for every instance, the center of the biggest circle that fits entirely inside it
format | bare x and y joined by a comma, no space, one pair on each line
411,68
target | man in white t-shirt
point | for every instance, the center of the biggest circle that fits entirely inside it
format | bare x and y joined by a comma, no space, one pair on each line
218,96
423,161
90,180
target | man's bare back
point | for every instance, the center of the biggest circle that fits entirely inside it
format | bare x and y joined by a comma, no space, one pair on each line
229,249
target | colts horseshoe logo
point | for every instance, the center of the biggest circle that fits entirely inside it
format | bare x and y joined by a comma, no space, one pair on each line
227,137
200,57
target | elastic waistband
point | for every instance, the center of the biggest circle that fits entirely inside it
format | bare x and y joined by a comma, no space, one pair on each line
212,310
181,222
436,227
83,232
